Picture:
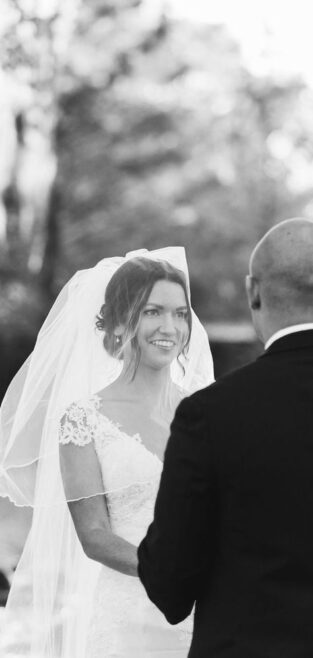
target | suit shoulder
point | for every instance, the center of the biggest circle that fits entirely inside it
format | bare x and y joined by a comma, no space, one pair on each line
191,408
243,374
234,380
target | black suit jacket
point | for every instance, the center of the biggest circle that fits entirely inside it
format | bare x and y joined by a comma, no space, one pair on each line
233,527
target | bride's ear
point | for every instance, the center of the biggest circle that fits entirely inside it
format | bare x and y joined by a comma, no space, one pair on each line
253,292
119,330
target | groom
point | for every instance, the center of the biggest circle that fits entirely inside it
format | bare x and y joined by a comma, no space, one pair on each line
233,527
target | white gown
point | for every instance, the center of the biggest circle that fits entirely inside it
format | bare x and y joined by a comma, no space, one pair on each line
124,622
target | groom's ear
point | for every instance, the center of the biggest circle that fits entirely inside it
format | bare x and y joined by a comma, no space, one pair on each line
253,292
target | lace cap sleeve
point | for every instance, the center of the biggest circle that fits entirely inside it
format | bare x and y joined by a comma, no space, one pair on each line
80,468
77,424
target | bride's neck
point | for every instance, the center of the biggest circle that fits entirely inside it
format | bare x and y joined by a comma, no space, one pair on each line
148,384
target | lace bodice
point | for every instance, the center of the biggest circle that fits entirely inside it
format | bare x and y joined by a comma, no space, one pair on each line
130,472
124,621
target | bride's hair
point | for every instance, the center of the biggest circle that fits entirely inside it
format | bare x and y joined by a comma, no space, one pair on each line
126,295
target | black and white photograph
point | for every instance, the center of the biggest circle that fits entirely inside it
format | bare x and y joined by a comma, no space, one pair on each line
156,329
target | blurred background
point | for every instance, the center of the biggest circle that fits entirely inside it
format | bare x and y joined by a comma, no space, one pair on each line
146,123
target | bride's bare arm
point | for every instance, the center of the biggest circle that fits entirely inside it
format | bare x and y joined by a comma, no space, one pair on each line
92,525
83,486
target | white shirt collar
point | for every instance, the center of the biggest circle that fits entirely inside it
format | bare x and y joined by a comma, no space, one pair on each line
288,330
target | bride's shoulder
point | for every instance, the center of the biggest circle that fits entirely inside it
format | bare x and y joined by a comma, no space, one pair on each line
79,410
85,403
78,421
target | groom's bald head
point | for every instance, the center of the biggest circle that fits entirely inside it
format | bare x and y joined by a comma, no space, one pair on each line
280,282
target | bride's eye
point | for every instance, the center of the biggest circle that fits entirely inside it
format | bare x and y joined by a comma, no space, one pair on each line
182,315
150,312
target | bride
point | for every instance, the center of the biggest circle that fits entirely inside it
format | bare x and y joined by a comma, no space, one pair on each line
84,428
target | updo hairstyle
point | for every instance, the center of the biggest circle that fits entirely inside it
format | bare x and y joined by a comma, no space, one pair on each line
126,295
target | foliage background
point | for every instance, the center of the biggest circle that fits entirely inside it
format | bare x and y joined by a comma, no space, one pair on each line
126,128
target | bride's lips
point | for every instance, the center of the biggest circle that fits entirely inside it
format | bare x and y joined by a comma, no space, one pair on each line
164,344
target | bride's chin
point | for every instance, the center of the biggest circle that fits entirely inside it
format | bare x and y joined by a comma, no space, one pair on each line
161,363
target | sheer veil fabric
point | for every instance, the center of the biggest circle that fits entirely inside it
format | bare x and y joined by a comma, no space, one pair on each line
54,579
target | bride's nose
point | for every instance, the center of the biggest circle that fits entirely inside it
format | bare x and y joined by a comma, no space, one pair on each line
167,325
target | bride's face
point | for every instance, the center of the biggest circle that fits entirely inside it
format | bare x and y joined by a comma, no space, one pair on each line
163,327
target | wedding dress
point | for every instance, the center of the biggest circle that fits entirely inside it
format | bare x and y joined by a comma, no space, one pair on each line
124,623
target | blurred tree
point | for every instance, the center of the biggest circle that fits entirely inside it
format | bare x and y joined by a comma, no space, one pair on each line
32,51
33,40
163,143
